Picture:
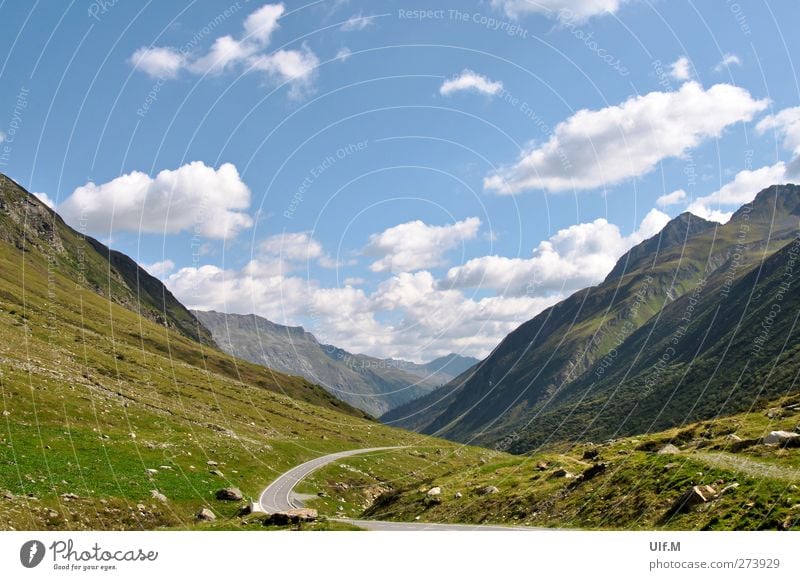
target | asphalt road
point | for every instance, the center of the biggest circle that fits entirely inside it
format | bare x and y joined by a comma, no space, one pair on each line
279,496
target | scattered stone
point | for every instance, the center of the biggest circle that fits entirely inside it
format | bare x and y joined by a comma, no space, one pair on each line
216,472
733,437
141,507
782,438
212,463
542,465
8,495
152,471
322,494
165,467
695,495
434,491
729,487
291,517
774,413
206,515
558,473
593,471
668,449
591,454
157,495
69,496
230,494
458,495
488,490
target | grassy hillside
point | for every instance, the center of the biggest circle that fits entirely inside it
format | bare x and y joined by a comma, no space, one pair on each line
102,409
639,487
584,368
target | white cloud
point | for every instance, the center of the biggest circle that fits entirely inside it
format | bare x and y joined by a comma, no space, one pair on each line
786,124
45,199
343,54
260,25
673,198
159,62
743,189
681,69
603,147
228,52
292,246
416,245
357,22
575,257
470,81
563,9
728,59
160,269
192,197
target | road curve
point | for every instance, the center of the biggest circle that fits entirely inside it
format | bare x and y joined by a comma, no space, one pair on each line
279,496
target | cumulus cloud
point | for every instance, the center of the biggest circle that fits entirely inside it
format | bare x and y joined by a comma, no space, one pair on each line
343,54
162,62
575,257
45,199
212,202
719,206
786,125
727,61
562,9
673,198
606,146
681,69
247,52
160,269
469,80
416,245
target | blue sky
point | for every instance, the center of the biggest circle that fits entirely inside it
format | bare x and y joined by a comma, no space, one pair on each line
402,179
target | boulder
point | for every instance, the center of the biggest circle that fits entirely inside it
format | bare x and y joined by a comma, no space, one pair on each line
230,494
668,449
291,517
695,495
157,495
591,454
782,438
435,491
558,473
488,490
593,471
728,488
205,515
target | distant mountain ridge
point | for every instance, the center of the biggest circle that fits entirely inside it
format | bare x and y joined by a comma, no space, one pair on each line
372,384
584,367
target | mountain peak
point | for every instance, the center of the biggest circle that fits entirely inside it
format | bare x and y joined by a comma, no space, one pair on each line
672,235
776,202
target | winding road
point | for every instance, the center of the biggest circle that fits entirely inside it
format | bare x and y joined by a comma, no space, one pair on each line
279,496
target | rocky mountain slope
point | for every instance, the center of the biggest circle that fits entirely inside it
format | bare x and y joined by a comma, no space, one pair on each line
675,333
372,384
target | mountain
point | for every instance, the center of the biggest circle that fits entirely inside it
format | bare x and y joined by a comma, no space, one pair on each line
667,337
372,384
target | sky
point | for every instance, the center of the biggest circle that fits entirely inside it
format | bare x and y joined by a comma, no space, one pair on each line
402,179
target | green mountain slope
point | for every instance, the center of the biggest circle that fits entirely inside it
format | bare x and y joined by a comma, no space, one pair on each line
113,420
372,384
584,345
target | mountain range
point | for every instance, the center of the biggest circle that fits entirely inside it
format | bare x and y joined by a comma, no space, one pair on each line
372,384
697,321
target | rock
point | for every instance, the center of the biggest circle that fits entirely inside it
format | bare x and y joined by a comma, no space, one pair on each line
728,488
152,471
558,473
206,515
669,466
212,463
291,517
695,495
435,491
141,507
165,467
230,494
488,490
8,495
593,471
6,413
69,496
733,437
322,494
541,466
774,413
668,449
216,472
157,495
782,438
458,495
591,454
